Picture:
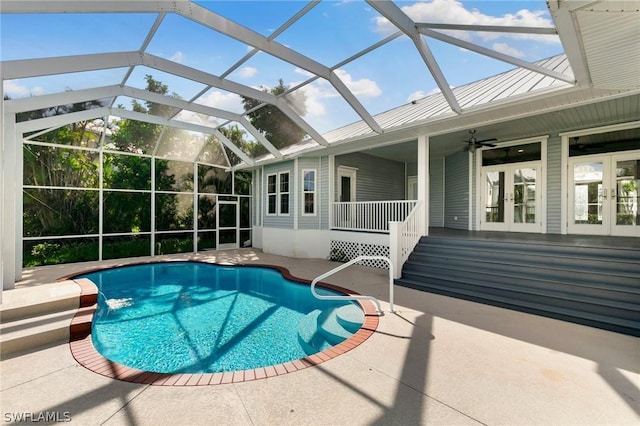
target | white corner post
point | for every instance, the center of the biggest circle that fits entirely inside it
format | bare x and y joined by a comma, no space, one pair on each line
423,178
11,210
395,248
2,179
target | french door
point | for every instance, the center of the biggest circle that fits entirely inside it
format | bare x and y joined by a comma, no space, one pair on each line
603,194
511,197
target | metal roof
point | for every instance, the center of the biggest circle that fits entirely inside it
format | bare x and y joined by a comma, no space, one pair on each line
594,36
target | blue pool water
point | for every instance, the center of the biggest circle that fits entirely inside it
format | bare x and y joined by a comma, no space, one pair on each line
191,317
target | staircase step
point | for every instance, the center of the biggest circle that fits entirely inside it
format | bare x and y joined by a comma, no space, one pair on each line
350,317
26,333
330,328
589,285
552,262
592,281
309,337
621,254
606,322
40,315
531,293
25,302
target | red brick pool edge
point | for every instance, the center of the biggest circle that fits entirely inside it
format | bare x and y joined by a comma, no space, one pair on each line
86,355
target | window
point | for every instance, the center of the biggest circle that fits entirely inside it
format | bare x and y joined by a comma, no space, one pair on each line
278,194
284,192
271,194
309,192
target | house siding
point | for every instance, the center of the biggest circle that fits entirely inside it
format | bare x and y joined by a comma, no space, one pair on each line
377,179
276,221
457,191
554,185
323,189
436,192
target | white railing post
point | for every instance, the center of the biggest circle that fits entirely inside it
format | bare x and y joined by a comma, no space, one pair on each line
395,248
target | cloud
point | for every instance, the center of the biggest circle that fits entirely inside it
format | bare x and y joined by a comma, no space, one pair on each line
319,94
453,11
222,100
13,89
215,99
177,57
363,87
247,72
420,94
508,50
303,72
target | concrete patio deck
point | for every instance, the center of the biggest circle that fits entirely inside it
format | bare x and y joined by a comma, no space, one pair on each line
437,360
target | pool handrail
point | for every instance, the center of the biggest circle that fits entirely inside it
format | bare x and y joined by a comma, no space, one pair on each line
357,296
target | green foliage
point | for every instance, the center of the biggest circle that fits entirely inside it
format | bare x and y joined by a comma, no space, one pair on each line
62,252
275,125
126,184
44,251
174,245
337,255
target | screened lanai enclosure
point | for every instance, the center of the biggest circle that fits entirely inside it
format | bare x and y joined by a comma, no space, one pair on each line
153,127
128,189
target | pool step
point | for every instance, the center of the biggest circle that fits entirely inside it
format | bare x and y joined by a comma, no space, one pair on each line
321,329
350,316
309,337
31,317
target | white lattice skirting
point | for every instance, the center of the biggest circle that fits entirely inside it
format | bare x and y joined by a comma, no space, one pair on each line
347,250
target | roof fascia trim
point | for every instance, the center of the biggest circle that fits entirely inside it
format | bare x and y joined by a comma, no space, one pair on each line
568,31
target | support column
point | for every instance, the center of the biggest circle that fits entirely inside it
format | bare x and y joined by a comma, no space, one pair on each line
2,220
8,212
423,178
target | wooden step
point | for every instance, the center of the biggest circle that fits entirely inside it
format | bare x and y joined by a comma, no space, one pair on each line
584,283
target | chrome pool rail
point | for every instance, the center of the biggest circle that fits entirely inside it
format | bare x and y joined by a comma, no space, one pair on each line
358,296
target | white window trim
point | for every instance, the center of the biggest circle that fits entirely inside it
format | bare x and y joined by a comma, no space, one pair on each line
275,194
314,192
280,193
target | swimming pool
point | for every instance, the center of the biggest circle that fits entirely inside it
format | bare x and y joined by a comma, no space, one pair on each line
192,317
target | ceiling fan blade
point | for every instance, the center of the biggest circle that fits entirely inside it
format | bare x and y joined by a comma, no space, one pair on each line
487,140
491,145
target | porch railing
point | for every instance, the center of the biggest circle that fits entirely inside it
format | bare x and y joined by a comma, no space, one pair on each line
405,235
369,216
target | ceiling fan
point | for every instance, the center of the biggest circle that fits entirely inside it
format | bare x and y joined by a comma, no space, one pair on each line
473,143
583,147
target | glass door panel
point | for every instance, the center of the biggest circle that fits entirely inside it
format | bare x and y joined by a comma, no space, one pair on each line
494,196
588,184
625,196
524,195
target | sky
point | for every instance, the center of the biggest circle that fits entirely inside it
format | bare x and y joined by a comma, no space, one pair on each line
331,32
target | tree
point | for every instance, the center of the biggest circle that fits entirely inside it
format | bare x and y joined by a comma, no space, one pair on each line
49,211
277,127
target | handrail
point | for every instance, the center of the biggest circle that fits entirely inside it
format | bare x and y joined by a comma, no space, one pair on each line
411,230
359,296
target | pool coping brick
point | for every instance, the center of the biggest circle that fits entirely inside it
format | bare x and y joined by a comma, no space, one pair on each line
86,355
